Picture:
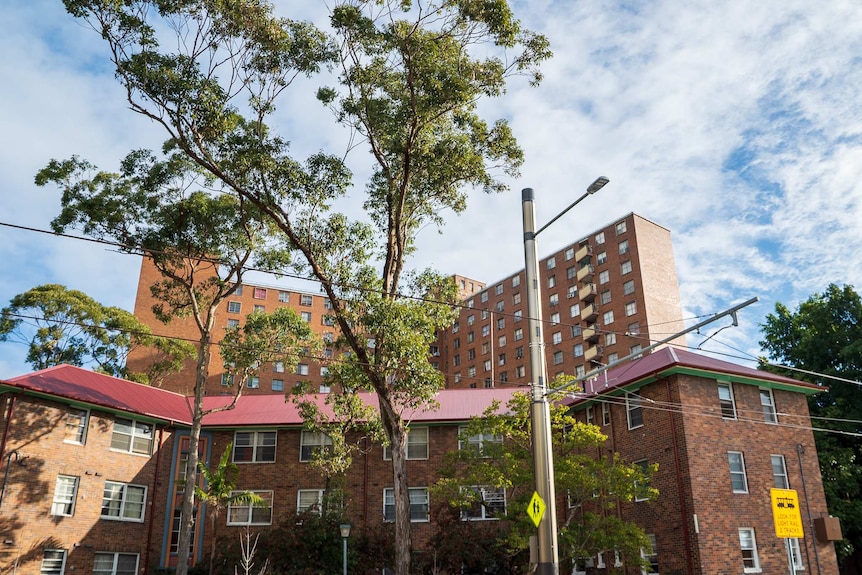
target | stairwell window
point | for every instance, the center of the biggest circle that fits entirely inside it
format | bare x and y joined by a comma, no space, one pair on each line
726,401
767,403
738,479
779,472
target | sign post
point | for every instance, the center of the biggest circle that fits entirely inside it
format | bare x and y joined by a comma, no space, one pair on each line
787,518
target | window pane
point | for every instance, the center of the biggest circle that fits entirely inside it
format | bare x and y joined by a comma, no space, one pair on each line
53,561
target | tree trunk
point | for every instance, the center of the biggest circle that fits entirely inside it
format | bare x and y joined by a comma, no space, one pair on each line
188,501
397,433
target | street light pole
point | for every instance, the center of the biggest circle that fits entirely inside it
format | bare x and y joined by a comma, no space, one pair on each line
345,533
540,416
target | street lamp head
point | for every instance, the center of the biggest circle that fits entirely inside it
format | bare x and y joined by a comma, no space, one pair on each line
597,185
345,530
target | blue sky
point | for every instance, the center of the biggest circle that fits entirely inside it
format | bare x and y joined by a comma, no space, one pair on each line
736,125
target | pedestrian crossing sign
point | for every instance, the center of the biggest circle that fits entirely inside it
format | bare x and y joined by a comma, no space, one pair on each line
536,509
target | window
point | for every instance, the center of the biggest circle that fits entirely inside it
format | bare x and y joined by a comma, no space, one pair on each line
259,293
551,263
234,307
76,425
516,298
608,317
65,494
418,504
578,350
309,501
115,564
517,315
521,371
571,292
555,318
485,503
519,334
575,310
327,303
725,401
487,365
605,296
610,338
251,514
779,472
629,287
570,253
456,343
501,323
501,341
132,437
471,354
486,330
633,329
471,319
284,296
457,377
516,281
306,316
500,305
519,352
620,227
576,330
324,371
278,366
499,289
634,411
479,442
278,385
238,290
124,502
324,388
501,359
558,357
635,349
554,299
455,327
644,465
417,444
738,481
552,281
604,277
767,402
227,379
301,369
795,554
631,308
483,297
470,301
471,371
232,323
456,360
312,441
571,273
557,337
306,300
606,414
600,238
651,555
612,357
328,337
748,546
624,247
259,309
53,562
254,446
484,314
626,267
601,258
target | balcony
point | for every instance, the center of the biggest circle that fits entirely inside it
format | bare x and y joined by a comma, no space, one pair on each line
588,292
591,333
583,252
594,353
590,312
586,273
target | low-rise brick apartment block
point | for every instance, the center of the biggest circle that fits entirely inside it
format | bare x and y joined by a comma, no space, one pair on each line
94,463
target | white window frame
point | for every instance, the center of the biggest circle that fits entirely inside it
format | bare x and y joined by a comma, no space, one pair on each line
260,443
726,404
795,553
311,440
77,425
644,465
305,506
277,385
620,227
477,442
284,296
608,317
137,433
306,300
604,277
634,405
551,263
631,308
487,503
55,565
650,555
234,307
516,281
626,268
419,504
770,415
305,316
65,495
748,543
624,247
779,473
301,369
417,444
606,413
115,559
736,464
600,238
590,416
124,491
253,382
247,509
557,337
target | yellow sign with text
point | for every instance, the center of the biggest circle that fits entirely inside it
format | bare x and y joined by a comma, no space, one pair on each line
785,513
536,509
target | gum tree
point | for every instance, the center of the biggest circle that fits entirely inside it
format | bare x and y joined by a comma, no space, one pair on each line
410,75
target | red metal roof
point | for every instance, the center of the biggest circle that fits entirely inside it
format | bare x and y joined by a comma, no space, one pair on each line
98,389
666,358
88,387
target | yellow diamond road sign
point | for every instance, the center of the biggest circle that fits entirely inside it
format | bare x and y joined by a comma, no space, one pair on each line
536,509
785,513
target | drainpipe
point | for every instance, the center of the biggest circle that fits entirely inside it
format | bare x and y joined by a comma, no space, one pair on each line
800,449
9,414
679,485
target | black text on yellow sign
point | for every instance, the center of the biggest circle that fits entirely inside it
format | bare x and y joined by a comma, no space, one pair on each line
785,513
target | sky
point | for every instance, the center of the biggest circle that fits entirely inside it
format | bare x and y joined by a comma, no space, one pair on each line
736,125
